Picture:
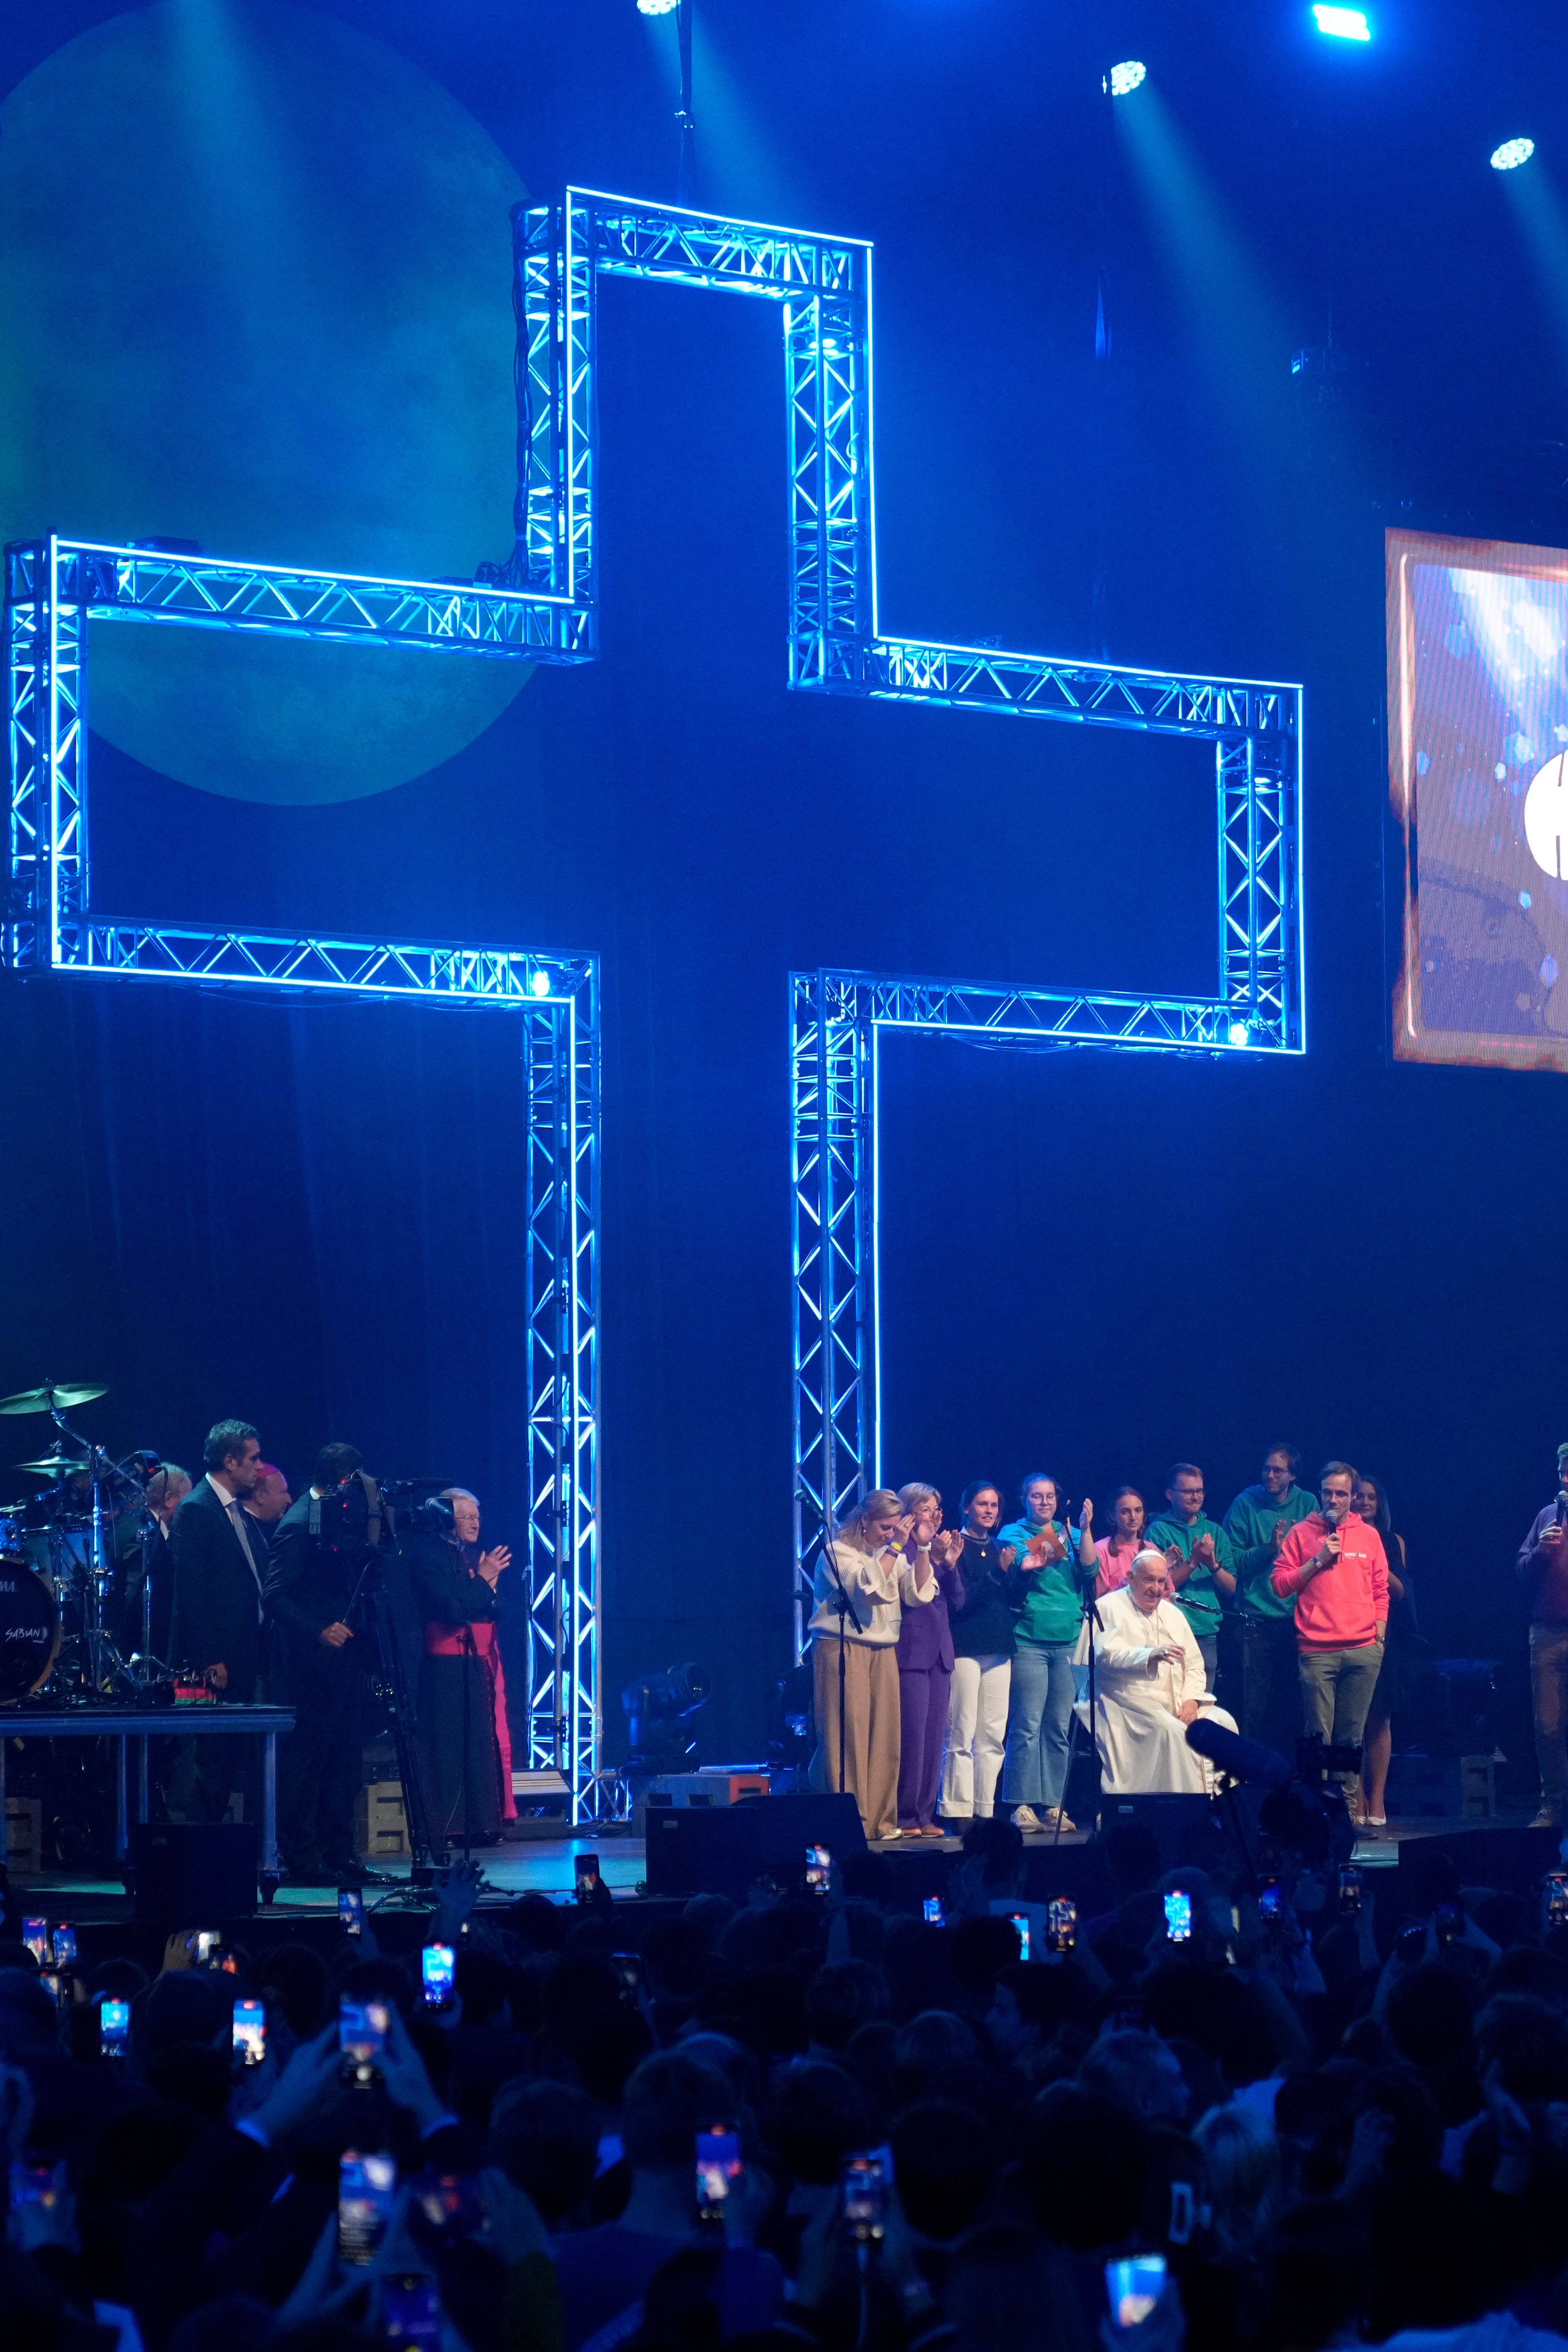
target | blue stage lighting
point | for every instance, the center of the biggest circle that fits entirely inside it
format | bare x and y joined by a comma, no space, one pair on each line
541,983
657,7
1511,154
1123,78
1240,1034
1342,24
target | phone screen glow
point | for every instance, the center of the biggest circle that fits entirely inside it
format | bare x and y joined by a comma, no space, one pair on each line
719,2167
438,1969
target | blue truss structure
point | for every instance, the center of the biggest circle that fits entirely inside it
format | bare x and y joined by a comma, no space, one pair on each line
541,605
53,589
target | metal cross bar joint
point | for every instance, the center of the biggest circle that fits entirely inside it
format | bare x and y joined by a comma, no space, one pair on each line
837,1023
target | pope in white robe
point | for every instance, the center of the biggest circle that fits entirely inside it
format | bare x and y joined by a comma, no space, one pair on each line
1150,1684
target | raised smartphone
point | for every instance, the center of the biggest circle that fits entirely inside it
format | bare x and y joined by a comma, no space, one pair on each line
932,1911
113,2028
362,2030
36,1936
1060,1924
437,1969
1178,1916
818,1869
34,2184
250,2031
719,2169
410,2310
1134,2285
350,1911
864,2189
65,1941
366,2186
1021,1921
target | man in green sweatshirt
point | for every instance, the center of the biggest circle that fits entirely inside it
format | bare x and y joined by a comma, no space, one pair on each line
1197,1553
1257,1523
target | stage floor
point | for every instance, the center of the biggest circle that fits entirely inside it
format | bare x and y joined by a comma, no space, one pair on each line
545,1866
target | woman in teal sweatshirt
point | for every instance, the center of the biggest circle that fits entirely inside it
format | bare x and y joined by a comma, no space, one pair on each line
1055,1566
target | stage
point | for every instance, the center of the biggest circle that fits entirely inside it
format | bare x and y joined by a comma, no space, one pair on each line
1500,1852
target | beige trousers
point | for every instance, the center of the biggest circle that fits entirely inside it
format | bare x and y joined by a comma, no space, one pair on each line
871,1726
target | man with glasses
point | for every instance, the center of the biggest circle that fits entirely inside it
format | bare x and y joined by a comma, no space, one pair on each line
1257,1523
1200,1560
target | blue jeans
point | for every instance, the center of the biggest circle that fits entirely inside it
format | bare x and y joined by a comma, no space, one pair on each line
1040,1720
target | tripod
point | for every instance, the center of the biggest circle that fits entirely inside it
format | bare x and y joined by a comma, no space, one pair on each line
370,1592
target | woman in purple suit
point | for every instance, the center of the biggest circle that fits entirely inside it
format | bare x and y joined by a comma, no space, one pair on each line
926,1666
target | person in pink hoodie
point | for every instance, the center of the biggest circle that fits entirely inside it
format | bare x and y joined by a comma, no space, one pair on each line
1334,1565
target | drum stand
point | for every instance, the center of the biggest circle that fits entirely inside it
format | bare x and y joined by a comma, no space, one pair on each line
108,1674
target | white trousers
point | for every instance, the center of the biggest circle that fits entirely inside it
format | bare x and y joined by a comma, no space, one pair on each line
977,1734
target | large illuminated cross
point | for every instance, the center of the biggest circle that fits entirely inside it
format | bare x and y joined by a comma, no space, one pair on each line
541,605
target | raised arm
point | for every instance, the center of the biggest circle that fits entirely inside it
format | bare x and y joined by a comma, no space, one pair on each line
1301,1558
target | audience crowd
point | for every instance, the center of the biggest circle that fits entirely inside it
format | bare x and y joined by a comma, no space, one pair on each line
1333,2129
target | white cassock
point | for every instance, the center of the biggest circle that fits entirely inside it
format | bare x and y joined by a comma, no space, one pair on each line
1143,1740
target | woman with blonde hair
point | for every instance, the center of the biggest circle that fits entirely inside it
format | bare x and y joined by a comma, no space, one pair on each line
926,1667
874,1567
1241,2158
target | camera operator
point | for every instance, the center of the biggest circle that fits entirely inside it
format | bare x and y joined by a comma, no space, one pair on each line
465,1749
319,1550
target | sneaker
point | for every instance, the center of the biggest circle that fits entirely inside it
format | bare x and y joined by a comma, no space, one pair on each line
1055,1818
1026,1818
1545,1819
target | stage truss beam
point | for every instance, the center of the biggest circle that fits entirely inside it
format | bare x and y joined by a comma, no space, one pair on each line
541,605
50,925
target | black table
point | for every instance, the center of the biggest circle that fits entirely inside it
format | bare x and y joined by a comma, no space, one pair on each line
127,1723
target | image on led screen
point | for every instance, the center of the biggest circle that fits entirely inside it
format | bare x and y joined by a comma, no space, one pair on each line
1478,707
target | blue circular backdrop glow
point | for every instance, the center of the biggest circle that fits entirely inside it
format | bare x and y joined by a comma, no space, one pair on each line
254,290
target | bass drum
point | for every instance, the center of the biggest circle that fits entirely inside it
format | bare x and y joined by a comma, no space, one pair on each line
29,1630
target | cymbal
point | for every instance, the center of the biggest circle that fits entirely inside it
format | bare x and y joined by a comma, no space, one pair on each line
52,1463
59,1399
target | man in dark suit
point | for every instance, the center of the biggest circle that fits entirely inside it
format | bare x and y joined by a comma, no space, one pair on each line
317,1550
216,1633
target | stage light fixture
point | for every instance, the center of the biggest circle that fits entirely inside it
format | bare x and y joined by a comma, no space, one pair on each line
541,983
1511,154
1123,79
1342,24
657,7
1240,1034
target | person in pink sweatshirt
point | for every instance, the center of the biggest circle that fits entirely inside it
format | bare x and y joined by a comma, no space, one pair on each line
1333,1564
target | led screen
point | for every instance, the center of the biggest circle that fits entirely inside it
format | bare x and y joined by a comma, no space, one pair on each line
1478,707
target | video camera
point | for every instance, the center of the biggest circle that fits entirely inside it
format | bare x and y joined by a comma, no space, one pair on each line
352,1517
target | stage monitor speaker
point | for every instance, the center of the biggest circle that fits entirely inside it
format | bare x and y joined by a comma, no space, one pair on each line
1186,1828
722,1852
197,1873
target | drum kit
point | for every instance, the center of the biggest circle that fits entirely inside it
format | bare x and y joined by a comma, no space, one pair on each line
63,1554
